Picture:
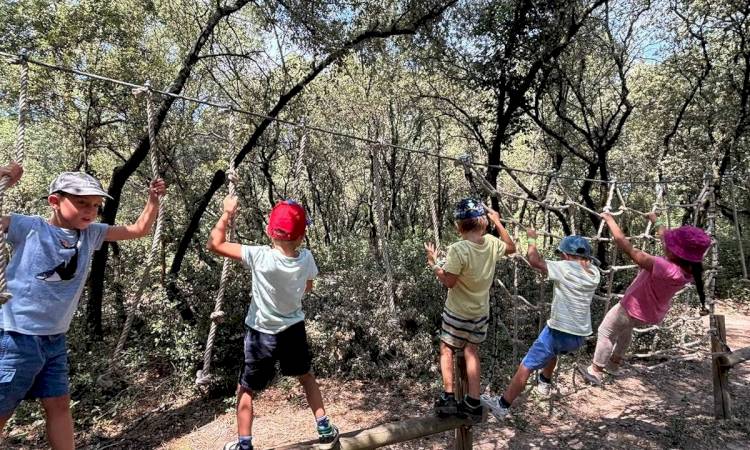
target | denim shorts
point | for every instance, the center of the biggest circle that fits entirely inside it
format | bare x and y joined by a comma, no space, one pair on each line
548,345
31,367
262,350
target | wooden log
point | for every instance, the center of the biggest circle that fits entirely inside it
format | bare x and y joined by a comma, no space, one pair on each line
735,357
722,400
461,381
387,434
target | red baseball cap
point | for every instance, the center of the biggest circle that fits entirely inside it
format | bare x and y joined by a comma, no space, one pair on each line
287,221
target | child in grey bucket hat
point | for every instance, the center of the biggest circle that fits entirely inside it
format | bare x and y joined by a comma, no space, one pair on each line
49,264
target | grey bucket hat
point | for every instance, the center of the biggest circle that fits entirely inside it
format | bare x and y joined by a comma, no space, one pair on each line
77,183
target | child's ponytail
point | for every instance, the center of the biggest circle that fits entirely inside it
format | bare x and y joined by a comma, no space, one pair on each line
697,269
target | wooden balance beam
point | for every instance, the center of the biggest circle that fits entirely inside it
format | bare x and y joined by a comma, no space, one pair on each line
389,433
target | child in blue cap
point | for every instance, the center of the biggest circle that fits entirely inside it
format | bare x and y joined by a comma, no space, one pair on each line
575,280
468,273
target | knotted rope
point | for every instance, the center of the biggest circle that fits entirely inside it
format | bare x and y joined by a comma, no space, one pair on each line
155,243
203,376
19,156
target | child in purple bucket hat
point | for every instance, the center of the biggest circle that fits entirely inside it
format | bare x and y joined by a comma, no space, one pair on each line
649,296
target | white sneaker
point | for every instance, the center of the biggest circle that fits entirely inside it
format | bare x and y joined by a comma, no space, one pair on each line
543,388
496,408
590,375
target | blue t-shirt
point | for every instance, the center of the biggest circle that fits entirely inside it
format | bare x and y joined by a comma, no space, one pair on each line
41,275
278,287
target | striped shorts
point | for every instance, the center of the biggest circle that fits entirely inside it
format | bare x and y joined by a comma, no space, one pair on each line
457,332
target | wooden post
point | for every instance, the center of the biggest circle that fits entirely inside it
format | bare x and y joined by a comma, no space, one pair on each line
461,381
722,400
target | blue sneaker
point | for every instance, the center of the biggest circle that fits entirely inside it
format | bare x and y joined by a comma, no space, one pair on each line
236,445
328,437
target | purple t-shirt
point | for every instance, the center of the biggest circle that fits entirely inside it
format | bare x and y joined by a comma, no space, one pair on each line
649,296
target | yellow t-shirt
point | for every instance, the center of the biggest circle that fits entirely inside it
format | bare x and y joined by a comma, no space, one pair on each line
474,264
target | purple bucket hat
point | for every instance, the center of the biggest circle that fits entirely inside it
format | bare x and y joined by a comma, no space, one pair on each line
687,242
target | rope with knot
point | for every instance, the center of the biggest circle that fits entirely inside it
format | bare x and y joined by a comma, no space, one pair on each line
203,376
20,148
157,237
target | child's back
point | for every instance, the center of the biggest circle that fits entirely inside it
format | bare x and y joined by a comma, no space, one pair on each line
279,283
573,290
474,264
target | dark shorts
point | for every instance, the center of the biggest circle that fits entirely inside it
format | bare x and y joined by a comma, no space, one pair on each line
548,345
262,350
31,367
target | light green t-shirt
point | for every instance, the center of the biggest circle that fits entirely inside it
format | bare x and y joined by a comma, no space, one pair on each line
474,264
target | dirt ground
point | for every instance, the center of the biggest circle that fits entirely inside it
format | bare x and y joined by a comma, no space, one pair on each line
654,404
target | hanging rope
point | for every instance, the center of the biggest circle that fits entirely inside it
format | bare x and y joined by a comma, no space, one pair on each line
380,227
155,243
203,376
23,91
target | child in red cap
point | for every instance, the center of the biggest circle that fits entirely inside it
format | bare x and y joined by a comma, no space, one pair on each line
649,296
275,326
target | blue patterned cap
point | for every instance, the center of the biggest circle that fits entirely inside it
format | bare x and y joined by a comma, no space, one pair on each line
468,208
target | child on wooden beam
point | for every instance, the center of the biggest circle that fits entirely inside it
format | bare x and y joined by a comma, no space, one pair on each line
648,298
275,322
575,280
468,273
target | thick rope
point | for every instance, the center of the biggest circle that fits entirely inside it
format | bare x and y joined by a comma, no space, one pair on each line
23,91
155,243
203,376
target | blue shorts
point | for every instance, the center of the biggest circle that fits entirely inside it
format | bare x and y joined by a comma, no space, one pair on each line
262,350
31,367
548,345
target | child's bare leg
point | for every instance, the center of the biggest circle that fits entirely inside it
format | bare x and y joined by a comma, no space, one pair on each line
473,371
312,392
59,422
3,421
244,411
517,384
549,369
446,366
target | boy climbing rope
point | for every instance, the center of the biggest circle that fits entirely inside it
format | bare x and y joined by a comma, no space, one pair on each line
649,296
275,327
468,273
46,276
575,279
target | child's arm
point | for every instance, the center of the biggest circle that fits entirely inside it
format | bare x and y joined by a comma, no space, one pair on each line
659,226
494,216
641,258
533,256
142,226
308,286
217,240
448,279
13,171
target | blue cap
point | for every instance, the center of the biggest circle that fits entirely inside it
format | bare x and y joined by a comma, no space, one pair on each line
468,208
577,246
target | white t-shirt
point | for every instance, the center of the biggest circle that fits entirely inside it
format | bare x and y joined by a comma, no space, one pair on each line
278,287
572,292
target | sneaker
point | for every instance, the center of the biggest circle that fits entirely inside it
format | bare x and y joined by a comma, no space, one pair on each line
473,413
235,445
446,405
543,388
328,437
590,375
612,369
496,408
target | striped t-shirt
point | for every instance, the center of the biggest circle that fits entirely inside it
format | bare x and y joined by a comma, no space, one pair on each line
573,289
